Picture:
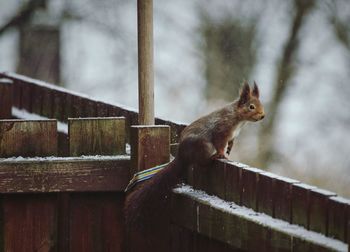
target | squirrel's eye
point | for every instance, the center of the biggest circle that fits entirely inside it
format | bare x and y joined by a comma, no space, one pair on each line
251,106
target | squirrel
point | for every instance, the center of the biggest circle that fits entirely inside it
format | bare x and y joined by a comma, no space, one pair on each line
147,207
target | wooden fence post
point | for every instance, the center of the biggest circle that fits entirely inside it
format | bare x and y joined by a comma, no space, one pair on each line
150,146
96,136
6,98
28,138
145,59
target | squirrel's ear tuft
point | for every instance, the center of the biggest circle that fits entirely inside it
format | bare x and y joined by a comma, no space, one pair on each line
244,94
255,91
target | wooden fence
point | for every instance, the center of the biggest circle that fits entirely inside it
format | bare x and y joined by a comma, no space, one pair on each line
69,199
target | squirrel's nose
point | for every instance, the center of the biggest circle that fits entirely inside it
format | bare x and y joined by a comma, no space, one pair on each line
262,117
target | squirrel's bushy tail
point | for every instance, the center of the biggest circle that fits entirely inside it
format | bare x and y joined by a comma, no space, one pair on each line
147,203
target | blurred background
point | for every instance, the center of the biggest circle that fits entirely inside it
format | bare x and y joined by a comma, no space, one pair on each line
298,51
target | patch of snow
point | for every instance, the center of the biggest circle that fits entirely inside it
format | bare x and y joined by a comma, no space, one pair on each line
260,218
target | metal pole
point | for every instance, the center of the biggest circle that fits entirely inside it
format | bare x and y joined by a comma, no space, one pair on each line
145,61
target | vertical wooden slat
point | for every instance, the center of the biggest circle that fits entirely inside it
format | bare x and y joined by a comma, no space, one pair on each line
266,193
28,138
26,99
182,239
29,223
47,105
150,146
63,217
96,222
89,108
17,93
102,109
338,217
250,178
319,202
96,136
6,98
283,198
233,176
37,100
216,181
57,105
301,204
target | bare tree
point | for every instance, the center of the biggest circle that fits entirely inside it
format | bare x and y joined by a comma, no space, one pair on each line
285,70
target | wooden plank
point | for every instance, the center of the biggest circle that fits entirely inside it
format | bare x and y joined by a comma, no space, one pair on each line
89,108
250,179
96,136
26,98
47,105
233,176
283,198
17,93
182,239
216,181
57,108
37,100
183,210
102,109
150,146
319,202
28,138
301,204
63,217
6,98
96,222
60,175
338,211
29,222
248,230
266,193
210,178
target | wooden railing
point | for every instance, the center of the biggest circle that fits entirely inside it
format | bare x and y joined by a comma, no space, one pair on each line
75,202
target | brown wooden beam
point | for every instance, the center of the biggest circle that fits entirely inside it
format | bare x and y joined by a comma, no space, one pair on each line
64,174
6,98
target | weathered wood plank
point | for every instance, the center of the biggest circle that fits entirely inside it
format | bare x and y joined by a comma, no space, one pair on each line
319,202
60,175
96,136
301,204
6,98
28,138
29,222
338,211
96,222
250,179
182,239
233,175
248,230
283,198
266,193
150,146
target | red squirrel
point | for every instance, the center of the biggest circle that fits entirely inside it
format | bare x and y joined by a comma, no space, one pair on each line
147,207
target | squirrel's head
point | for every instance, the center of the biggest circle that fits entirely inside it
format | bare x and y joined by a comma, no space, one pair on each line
249,106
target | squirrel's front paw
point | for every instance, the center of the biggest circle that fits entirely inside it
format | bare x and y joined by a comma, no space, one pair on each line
218,156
